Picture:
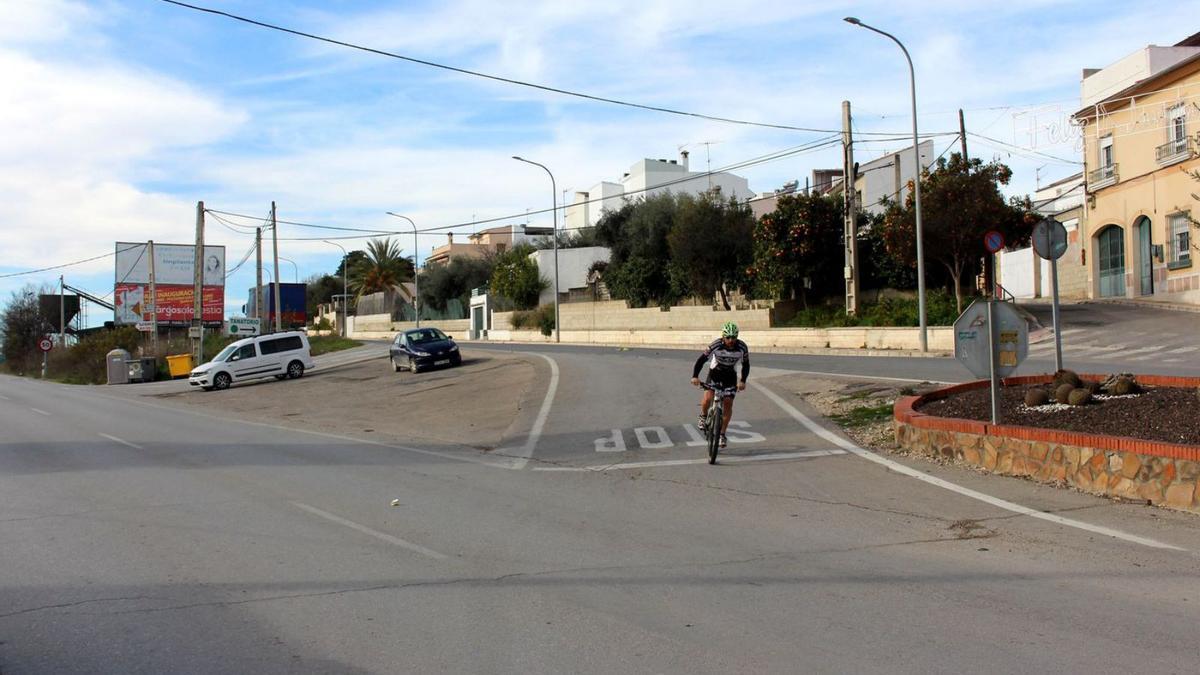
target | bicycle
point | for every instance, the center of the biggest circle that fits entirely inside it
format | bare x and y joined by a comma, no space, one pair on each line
714,417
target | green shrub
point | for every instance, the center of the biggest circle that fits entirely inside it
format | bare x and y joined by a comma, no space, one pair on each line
940,310
1036,397
1079,396
540,318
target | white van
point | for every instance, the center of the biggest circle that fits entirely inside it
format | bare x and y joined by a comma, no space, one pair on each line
279,355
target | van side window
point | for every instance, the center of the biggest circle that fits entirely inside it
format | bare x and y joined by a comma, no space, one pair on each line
289,344
268,346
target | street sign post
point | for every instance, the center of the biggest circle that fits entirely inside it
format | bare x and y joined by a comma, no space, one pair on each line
1050,242
991,340
45,344
242,327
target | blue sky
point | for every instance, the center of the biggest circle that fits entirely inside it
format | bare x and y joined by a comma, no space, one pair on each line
119,115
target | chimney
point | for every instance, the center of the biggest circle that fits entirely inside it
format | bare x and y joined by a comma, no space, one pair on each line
449,238
683,155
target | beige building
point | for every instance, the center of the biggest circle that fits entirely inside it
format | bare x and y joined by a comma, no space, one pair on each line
1140,126
492,241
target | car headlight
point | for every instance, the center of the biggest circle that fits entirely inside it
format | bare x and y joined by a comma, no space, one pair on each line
420,353
453,348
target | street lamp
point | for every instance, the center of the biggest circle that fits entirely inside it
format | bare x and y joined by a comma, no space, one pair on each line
345,299
416,280
912,79
295,269
554,227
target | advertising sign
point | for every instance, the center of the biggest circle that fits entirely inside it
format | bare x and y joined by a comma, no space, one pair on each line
174,307
173,264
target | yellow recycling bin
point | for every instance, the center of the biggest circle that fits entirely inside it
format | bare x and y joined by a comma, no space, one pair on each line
179,365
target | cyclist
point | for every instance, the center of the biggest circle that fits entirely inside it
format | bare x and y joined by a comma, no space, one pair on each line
723,356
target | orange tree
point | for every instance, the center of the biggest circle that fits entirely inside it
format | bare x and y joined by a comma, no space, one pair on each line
960,202
798,248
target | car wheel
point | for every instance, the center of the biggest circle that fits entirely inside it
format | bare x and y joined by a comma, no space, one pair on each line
222,381
395,366
295,370
412,365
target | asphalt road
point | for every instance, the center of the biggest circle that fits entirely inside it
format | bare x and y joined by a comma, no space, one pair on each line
140,536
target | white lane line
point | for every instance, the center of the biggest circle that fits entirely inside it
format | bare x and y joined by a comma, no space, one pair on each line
122,442
374,533
966,492
1181,350
40,411
3,397
520,456
682,462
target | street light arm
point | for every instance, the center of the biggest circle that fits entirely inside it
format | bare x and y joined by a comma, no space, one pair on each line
554,229
345,298
416,262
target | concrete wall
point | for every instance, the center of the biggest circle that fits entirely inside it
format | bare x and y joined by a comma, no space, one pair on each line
381,326
616,315
573,264
941,339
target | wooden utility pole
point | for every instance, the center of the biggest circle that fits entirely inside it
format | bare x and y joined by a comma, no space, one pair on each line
275,242
962,134
851,213
258,289
153,301
62,313
197,332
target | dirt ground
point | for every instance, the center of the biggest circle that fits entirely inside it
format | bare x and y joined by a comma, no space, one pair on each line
862,408
473,405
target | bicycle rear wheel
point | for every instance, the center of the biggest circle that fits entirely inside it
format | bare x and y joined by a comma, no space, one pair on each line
714,430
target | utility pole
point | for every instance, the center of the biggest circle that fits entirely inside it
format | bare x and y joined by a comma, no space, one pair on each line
962,134
275,242
850,202
258,289
197,332
153,301
62,314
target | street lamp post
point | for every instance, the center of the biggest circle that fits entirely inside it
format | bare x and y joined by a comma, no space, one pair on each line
295,269
416,279
345,300
554,227
912,80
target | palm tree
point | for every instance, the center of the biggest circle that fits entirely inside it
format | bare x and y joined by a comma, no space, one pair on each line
384,269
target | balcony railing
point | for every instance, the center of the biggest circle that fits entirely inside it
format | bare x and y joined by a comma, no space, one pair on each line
1175,151
1102,177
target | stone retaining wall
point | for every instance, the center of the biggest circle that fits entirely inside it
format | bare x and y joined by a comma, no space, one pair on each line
1165,474
941,338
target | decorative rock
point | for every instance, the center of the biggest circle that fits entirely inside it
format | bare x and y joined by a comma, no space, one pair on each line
1066,377
1062,393
1123,385
1079,396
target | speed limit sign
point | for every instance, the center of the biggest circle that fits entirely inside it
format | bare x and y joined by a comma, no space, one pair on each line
45,344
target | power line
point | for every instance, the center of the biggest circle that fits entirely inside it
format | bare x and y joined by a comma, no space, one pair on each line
506,80
1024,150
70,264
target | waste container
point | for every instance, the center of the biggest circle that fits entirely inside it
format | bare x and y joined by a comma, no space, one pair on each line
141,370
179,364
118,370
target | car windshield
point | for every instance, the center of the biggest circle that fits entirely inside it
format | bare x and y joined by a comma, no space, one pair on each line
225,353
426,335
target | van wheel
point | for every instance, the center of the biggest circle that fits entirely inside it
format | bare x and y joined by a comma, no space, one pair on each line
295,370
395,366
412,365
222,381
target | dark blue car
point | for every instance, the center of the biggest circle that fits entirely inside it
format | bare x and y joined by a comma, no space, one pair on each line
422,348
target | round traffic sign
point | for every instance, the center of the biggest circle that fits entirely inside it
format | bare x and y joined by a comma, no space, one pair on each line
1050,239
45,344
993,241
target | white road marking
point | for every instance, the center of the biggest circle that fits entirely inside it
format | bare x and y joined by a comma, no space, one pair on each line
966,492
374,533
682,462
122,442
1182,350
521,455
3,397
40,411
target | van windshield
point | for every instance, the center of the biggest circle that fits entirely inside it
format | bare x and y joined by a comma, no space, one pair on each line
225,353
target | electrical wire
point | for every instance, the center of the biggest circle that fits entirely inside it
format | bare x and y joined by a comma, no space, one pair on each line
70,264
497,78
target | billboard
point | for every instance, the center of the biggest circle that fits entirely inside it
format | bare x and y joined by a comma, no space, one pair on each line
174,279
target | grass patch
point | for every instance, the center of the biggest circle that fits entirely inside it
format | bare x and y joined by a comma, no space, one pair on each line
864,415
324,344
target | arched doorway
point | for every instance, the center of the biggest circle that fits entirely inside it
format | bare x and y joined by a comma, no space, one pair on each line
1110,244
1145,253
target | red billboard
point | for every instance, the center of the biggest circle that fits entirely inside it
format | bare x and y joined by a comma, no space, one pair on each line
174,304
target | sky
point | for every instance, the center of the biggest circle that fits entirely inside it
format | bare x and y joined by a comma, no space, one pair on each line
118,116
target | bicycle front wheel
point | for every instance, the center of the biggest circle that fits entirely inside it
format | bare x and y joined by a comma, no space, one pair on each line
714,431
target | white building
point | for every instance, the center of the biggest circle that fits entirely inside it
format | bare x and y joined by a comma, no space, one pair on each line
649,177
573,264
888,177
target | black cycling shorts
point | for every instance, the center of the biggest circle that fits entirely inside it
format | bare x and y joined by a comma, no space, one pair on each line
724,378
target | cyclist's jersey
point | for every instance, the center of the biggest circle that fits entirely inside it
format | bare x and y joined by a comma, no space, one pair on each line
724,359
